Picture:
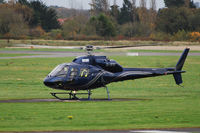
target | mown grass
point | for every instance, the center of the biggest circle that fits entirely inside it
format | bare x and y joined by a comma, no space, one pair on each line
12,55
45,49
161,51
166,105
95,51
3,42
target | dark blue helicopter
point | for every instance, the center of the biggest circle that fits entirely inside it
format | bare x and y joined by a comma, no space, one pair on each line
90,72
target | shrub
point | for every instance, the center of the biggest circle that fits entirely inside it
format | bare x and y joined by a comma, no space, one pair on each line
56,34
135,29
181,35
195,36
37,32
160,36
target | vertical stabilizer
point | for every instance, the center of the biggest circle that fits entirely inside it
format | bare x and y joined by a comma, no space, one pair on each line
178,78
179,66
181,61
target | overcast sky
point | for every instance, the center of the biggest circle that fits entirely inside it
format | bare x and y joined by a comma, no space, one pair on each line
84,4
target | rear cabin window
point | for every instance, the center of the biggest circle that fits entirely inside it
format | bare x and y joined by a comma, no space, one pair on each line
84,72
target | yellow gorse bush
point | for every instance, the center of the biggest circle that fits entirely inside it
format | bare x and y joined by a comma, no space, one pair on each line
195,36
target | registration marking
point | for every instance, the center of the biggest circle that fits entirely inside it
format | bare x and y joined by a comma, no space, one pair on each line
85,60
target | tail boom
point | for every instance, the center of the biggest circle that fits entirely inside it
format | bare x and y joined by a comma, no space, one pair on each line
136,73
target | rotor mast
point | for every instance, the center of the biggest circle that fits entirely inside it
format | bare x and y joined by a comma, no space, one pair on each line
89,49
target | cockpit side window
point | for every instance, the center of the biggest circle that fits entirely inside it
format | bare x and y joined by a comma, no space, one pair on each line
84,72
73,73
63,71
60,70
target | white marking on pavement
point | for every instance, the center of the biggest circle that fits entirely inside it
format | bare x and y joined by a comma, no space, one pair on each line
132,54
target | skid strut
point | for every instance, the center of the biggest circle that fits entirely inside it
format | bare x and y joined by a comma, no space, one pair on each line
72,95
108,92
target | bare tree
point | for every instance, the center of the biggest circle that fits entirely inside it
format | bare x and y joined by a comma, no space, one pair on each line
153,5
2,1
143,13
134,3
134,10
114,10
12,23
72,6
152,14
187,3
143,3
99,6
115,2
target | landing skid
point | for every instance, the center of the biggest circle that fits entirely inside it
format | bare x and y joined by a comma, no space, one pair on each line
72,96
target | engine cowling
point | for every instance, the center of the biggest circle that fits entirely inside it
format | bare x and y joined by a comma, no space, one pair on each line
101,61
109,65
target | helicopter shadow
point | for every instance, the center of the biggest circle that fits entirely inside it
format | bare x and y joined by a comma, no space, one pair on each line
70,100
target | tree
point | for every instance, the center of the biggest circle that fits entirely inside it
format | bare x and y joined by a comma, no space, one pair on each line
152,14
24,2
127,13
143,12
25,11
143,3
36,32
115,10
104,26
2,1
70,29
135,29
153,5
195,20
42,15
99,6
172,20
179,3
174,3
12,23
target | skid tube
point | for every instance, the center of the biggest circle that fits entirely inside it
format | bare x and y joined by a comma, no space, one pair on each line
72,96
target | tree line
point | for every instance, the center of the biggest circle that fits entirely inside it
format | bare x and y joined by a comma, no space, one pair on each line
180,20
22,18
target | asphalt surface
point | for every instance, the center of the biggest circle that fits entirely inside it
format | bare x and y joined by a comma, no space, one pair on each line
48,54
175,130
68,100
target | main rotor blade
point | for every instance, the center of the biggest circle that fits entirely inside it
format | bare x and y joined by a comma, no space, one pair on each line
125,46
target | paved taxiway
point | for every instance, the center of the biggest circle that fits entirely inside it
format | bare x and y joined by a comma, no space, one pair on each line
56,100
178,130
48,54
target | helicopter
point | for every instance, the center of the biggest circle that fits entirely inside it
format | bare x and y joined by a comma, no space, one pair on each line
90,72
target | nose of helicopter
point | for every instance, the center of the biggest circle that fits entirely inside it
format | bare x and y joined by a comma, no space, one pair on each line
48,82
54,82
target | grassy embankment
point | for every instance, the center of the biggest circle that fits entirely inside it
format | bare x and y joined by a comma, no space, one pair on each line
4,43
166,105
95,51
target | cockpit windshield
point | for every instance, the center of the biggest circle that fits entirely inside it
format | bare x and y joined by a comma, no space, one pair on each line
60,70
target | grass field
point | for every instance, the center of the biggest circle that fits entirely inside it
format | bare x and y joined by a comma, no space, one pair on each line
40,49
95,51
12,55
3,42
165,104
